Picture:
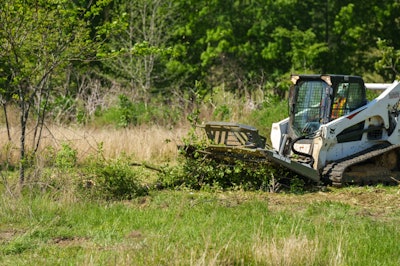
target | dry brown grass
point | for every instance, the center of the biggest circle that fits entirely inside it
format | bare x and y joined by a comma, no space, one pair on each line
145,143
293,250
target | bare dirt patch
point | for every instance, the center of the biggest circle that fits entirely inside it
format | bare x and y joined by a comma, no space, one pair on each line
7,235
69,241
134,234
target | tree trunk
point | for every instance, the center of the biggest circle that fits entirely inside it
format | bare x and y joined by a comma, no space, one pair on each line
7,123
22,159
22,156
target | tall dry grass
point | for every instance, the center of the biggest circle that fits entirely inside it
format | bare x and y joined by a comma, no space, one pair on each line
145,143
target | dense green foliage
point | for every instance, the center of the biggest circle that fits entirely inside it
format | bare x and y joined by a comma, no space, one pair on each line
201,173
111,180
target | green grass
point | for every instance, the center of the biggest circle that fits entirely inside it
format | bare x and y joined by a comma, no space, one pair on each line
272,111
199,228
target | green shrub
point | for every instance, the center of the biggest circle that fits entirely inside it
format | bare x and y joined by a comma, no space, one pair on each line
66,158
202,173
222,112
128,113
112,179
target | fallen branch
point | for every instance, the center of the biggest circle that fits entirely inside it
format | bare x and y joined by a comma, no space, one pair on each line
394,179
148,166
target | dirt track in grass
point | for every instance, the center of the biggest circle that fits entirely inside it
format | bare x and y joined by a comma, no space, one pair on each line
375,202
379,203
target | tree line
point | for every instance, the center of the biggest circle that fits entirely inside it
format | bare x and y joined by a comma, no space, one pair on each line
74,49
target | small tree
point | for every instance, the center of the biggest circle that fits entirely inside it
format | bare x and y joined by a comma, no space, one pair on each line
38,38
140,42
389,60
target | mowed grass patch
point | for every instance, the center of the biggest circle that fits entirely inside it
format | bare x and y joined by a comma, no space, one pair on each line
344,227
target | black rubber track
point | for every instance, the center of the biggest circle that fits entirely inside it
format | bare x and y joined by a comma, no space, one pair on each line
334,171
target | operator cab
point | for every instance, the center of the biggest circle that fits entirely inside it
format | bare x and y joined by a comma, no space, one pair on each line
318,99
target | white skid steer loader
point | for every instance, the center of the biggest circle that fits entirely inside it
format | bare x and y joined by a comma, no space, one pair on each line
332,135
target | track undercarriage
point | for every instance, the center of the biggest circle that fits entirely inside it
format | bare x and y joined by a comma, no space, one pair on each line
379,164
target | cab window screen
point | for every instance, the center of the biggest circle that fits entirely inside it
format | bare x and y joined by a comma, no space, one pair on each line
349,96
308,105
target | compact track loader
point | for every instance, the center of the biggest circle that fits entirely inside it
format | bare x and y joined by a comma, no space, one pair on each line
333,135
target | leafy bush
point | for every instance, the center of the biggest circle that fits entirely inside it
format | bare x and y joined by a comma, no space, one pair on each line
222,112
203,173
129,113
66,157
112,180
